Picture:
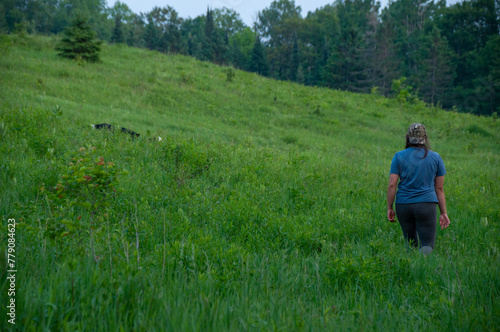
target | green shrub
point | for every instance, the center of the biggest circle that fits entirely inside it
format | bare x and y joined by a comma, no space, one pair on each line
230,74
402,92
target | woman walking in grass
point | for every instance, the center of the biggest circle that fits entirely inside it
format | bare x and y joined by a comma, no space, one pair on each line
420,172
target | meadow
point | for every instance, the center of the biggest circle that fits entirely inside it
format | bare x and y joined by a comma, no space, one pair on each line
262,208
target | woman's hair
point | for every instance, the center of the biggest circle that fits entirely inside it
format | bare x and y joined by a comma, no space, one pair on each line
426,146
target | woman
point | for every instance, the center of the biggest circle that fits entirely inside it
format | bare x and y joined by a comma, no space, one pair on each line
420,172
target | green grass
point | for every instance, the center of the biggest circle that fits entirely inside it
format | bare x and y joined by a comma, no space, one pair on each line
271,196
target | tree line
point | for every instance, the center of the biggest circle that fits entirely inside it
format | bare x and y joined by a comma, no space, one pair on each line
444,55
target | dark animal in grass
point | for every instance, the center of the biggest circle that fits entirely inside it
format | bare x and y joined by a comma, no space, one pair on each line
132,133
102,126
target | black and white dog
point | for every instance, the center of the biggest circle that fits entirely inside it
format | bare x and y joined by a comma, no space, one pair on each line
102,126
132,133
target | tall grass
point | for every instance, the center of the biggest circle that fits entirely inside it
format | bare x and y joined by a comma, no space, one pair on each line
263,208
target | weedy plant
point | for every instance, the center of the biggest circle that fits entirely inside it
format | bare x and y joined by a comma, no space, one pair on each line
80,201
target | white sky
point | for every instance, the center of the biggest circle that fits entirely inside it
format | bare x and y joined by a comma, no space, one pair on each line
246,8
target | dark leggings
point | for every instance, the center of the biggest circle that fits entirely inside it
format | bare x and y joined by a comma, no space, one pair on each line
418,222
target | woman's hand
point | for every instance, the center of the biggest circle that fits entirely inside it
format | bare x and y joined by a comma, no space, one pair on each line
444,221
391,215
391,194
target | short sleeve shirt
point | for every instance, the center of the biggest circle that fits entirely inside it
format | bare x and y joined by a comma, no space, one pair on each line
417,175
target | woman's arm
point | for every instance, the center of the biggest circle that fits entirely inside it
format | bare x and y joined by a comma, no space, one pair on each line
444,221
391,194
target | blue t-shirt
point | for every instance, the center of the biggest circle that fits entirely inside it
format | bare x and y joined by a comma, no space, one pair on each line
417,175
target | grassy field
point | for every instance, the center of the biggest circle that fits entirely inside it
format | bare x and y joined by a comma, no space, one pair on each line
263,207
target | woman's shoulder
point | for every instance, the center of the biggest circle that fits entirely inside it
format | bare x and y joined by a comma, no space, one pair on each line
404,151
399,154
434,155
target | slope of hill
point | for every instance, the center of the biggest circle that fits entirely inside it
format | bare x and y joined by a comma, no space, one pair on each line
262,208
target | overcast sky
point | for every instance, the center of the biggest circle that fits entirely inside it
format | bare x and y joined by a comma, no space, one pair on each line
246,8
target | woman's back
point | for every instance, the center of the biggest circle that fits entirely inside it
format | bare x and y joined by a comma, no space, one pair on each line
417,175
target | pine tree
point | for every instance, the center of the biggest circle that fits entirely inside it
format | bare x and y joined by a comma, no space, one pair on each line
487,82
79,42
193,35
387,63
151,35
209,24
295,61
220,48
318,32
258,60
468,26
345,68
191,45
135,35
210,33
436,77
367,75
117,36
236,56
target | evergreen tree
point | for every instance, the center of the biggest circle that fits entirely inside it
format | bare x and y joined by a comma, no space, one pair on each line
486,66
345,67
10,15
117,36
318,33
191,45
135,35
295,61
468,26
194,35
151,35
236,56
258,60
436,72
209,24
410,18
367,74
207,42
387,62
79,41
220,47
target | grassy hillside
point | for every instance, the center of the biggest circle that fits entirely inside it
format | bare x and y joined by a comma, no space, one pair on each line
263,208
